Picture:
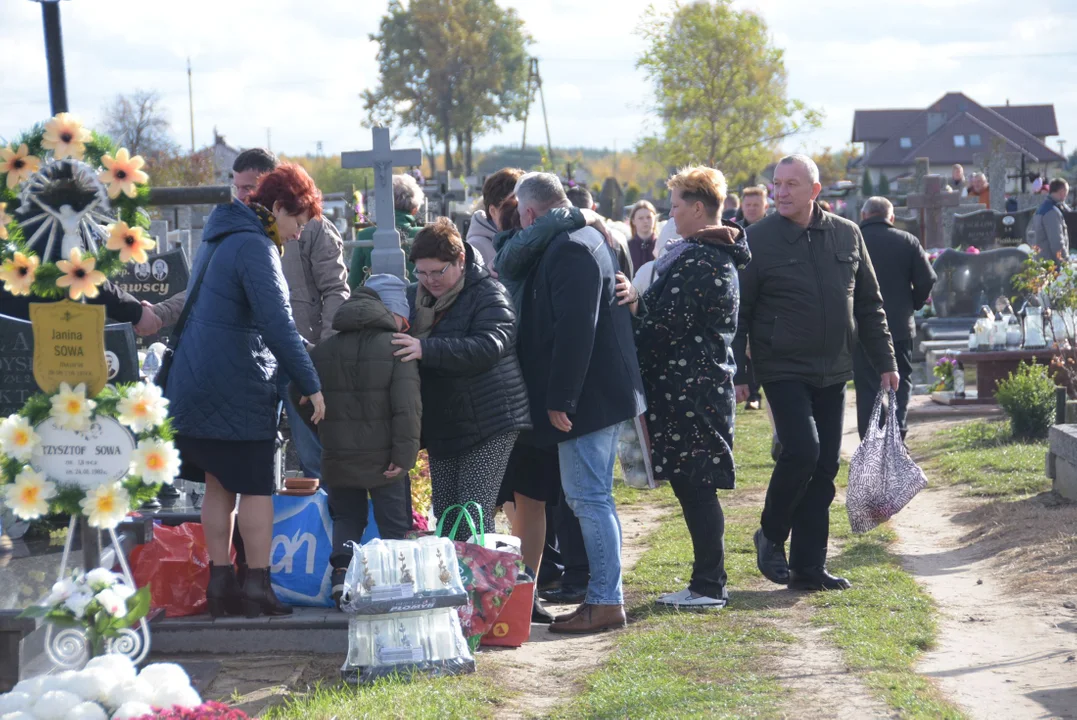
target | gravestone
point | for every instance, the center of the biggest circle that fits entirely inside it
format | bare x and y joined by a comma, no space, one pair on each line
967,281
1071,225
1013,227
977,229
922,170
949,213
930,203
155,281
910,223
995,163
611,201
17,359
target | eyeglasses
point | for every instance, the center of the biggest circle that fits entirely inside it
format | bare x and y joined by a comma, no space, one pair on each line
244,188
424,275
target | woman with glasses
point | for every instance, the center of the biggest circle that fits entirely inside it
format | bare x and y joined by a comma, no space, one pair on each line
463,334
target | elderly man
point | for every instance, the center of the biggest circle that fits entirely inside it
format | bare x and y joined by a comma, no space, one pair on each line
578,356
408,199
809,288
905,287
1047,232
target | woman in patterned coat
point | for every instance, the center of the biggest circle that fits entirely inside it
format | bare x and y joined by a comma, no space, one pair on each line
684,336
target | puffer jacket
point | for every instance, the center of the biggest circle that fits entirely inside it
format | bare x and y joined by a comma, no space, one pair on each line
473,389
222,382
317,278
806,297
373,409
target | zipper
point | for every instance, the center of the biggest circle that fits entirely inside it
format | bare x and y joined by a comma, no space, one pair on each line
819,281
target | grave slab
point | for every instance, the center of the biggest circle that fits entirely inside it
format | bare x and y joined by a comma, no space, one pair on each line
1062,461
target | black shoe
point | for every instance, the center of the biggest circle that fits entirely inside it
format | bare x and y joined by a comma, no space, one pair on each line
540,615
241,573
565,595
548,585
816,578
770,559
336,581
258,595
223,591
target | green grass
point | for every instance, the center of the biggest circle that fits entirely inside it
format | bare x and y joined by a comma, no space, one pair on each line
983,455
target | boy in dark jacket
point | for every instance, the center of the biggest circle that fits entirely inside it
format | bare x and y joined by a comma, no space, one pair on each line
373,414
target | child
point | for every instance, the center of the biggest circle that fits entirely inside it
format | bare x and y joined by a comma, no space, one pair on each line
370,434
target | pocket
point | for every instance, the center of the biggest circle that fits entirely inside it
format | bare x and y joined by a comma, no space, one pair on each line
847,265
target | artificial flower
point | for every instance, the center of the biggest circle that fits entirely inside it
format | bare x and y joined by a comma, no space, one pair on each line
143,408
70,408
131,242
105,506
4,220
18,164
66,137
17,438
61,591
55,704
77,603
155,461
122,173
80,275
18,273
113,604
101,578
123,590
28,497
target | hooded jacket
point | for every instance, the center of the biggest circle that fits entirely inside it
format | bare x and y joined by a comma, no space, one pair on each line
222,382
1048,232
317,278
480,235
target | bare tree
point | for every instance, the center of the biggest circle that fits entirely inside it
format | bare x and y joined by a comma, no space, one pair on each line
139,122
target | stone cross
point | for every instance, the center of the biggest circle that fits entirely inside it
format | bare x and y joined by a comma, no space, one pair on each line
931,202
994,163
387,256
923,169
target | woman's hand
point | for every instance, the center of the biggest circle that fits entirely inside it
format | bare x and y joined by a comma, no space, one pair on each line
318,401
626,292
595,220
393,471
411,348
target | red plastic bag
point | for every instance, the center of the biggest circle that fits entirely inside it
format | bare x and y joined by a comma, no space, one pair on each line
175,564
513,625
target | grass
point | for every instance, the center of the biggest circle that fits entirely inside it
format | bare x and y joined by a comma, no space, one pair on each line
984,455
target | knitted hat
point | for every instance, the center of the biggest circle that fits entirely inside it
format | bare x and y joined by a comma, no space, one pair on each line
393,293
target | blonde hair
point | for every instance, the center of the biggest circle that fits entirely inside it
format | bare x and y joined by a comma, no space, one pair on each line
641,205
754,191
701,184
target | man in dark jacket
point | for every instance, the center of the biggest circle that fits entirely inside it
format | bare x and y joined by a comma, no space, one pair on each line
579,361
1047,232
905,286
808,291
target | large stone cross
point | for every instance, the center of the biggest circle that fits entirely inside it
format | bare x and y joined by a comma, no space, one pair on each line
994,163
387,256
930,204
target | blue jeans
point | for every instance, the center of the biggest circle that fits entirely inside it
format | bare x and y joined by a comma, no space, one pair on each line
587,478
307,443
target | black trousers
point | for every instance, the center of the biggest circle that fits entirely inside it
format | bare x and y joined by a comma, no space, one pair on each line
577,571
808,421
552,567
866,379
349,510
706,525
753,384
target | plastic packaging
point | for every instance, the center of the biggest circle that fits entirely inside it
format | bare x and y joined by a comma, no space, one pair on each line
388,576
634,452
429,643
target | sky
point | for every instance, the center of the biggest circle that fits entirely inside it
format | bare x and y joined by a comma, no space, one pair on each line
291,73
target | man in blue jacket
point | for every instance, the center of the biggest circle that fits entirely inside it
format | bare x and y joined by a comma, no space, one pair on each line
1047,231
578,356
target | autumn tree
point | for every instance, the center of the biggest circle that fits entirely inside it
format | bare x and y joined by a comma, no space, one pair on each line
139,123
833,164
450,69
719,88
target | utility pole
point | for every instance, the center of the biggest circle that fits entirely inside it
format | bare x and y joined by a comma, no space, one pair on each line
1062,148
54,55
533,75
269,139
190,100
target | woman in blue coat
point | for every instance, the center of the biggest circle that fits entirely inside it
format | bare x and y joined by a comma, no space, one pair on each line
223,381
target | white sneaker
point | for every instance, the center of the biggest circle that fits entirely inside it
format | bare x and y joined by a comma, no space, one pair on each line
688,599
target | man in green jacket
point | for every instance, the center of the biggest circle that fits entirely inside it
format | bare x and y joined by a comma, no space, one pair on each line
408,199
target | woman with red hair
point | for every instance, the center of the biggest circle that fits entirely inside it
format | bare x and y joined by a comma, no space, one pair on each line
235,330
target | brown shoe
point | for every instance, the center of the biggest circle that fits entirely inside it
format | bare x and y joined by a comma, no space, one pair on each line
592,619
565,617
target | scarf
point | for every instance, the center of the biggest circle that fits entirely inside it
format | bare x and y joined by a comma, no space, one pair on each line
269,225
429,309
725,234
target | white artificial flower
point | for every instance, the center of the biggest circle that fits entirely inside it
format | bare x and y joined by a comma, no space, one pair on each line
87,711
18,715
92,684
131,691
77,603
183,696
143,408
155,461
160,674
100,578
105,506
132,710
28,497
113,604
12,701
55,705
61,590
123,590
17,438
70,408
116,666
32,687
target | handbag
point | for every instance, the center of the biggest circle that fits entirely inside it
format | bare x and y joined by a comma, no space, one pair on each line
161,379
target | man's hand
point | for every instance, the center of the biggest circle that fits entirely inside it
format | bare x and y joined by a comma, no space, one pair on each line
595,220
889,381
393,471
626,291
560,420
411,348
742,393
149,323
319,406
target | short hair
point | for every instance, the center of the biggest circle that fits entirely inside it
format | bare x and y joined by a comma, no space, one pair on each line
439,240
755,191
499,186
700,184
1057,184
877,205
804,161
641,205
734,198
958,166
292,187
258,159
580,197
540,191
407,195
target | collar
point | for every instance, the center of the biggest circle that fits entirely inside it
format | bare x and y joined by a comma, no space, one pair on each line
792,232
876,220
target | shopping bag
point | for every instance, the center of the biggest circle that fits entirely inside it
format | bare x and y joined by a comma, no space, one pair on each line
175,564
634,452
883,478
489,575
299,552
513,626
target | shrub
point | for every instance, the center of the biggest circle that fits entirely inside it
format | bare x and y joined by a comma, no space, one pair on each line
884,185
1027,397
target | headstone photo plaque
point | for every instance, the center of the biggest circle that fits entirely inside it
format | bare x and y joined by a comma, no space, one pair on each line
154,281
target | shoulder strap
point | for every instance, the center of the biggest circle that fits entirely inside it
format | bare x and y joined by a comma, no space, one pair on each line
178,331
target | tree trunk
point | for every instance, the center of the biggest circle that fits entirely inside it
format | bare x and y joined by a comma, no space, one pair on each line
448,148
460,146
467,152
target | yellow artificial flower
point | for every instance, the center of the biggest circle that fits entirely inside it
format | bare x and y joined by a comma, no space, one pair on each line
80,275
4,220
70,408
143,407
18,164
155,461
122,173
18,273
17,438
66,137
105,506
28,497
131,242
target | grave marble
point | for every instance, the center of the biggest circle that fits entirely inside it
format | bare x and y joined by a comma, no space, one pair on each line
969,281
975,229
995,163
155,281
611,201
910,222
931,202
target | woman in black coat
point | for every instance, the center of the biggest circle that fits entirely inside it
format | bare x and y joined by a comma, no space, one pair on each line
684,336
463,333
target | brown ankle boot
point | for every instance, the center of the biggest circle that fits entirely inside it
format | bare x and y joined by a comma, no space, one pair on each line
258,595
592,619
568,616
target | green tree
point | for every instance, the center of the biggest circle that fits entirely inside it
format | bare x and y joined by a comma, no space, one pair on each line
884,185
719,88
833,164
450,69
865,184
